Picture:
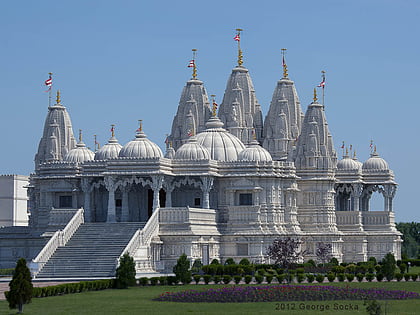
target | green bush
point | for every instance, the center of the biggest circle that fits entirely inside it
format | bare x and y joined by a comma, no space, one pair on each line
163,280
245,262
407,276
414,276
311,262
310,278
154,280
399,276
207,279
320,278
237,279
331,277
369,277
269,278
216,279
126,272
182,269
360,277
300,277
197,278
341,277
402,267
230,261
350,277
20,286
6,272
259,279
280,278
227,279
300,270
248,279
215,262
379,277
144,281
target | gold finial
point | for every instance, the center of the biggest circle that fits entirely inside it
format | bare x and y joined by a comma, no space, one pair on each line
170,144
347,151
214,108
97,147
254,134
354,154
194,74
238,39
80,135
112,130
315,98
58,100
141,125
283,52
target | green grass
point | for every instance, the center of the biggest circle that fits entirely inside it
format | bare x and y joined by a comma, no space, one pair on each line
138,300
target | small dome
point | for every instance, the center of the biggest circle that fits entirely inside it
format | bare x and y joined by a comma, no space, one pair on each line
109,150
255,152
222,145
141,148
348,164
192,151
375,163
170,153
79,154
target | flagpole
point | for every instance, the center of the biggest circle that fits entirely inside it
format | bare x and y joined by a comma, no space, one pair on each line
240,61
323,87
283,53
50,91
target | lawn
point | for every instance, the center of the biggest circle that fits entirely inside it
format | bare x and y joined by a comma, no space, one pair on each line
139,300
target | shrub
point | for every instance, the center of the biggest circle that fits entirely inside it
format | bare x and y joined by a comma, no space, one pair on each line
407,276
144,281
369,277
237,279
259,279
215,262
269,278
414,276
331,277
350,268
320,278
227,279
230,261
20,286
197,278
300,270
350,277
360,277
163,280
154,280
341,277
280,278
300,277
244,262
402,267
379,277
248,279
171,280
181,269
216,279
334,261
207,279
373,260
388,266
399,276
310,278
126,272
196,267
311,262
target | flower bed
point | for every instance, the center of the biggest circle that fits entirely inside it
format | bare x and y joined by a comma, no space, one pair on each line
283,293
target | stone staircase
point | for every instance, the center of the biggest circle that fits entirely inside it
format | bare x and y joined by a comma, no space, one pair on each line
92,251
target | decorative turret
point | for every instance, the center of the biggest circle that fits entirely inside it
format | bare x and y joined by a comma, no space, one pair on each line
57,139
240,111
314,149
282,124
194,101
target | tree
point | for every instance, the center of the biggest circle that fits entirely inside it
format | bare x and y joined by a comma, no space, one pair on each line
285,252
126,272
388,266
20,287
182,269
323,252
411,238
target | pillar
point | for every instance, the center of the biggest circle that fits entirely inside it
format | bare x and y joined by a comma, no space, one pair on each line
86,188
111,187
125,217
206,186
157,181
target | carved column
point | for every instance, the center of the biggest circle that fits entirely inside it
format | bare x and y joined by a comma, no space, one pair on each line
157,181
389,193
206,186
110,186
356,194
125,217
86,188
169,187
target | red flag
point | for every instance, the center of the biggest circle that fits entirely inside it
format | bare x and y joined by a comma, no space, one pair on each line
48,83
191,64
322,84
237,38
342,146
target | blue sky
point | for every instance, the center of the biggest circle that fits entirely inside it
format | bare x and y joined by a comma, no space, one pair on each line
119,61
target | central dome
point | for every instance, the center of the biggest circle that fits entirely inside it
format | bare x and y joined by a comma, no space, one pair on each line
222,145
141,148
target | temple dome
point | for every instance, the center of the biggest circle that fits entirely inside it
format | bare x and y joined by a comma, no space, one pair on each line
141,148
79,154
255,152
109,150
375,163
192,151
348,164
222,145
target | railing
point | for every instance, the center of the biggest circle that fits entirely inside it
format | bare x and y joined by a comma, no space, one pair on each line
59,238
61,216
143,237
